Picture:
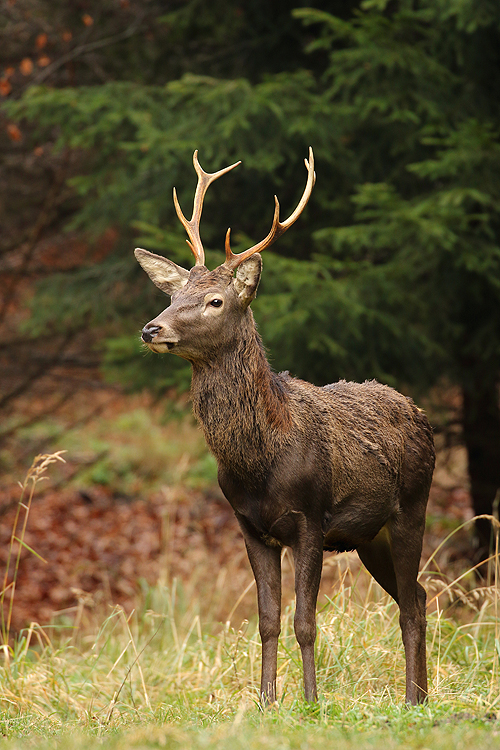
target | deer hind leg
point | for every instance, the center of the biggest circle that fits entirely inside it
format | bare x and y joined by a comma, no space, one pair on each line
376,556
406,542
393,559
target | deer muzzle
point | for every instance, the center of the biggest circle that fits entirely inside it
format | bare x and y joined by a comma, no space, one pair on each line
158,337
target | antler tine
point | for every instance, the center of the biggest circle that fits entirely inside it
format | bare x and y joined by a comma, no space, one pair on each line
192,227
278,228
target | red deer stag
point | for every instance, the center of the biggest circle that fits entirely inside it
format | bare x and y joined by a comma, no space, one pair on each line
343,467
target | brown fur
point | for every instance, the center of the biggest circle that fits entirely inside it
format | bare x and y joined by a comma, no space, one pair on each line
346,466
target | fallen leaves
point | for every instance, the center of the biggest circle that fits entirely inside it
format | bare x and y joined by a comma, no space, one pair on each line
13,132
41,41
104,546
5,87
26,66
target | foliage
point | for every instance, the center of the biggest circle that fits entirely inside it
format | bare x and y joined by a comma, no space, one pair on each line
412,85
400,100
401,279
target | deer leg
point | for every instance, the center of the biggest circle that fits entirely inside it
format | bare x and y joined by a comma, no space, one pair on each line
266,566
308,559
406,545
376,556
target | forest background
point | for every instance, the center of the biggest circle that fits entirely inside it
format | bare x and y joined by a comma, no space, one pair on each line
393,271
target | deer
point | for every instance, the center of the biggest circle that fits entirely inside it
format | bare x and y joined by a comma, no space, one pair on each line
343,467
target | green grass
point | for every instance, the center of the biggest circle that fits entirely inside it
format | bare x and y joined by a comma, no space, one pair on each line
132,452
160,677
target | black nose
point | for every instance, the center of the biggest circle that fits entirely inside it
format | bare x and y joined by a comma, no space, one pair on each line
149,332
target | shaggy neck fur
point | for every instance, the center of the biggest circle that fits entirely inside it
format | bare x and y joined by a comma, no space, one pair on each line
242,405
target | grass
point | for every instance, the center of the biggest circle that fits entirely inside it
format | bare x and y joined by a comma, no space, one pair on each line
160,677
36,474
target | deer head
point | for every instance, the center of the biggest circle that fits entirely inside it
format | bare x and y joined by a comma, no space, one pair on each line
207,305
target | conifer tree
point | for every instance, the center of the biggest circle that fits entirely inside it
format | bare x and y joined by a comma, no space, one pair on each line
393,271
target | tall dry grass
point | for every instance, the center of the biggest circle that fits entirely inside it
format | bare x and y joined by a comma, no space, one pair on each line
37,473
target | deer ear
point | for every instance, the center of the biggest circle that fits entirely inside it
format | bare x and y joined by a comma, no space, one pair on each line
247,279
167,276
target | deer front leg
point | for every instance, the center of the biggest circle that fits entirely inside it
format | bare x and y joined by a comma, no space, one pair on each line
266,566
308,559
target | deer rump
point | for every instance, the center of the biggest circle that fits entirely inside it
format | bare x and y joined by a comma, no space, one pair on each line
347,466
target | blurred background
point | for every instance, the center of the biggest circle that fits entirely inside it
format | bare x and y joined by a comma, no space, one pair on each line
392,272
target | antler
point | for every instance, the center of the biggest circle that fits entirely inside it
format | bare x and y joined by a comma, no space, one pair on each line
193,227
278,228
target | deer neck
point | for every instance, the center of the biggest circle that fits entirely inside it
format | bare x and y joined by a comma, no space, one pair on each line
241,404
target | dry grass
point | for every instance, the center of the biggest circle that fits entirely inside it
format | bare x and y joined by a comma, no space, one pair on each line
161,666
164,660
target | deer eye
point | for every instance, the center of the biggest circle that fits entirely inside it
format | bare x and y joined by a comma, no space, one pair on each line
216,302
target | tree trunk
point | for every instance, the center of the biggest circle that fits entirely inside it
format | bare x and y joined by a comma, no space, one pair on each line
481,425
